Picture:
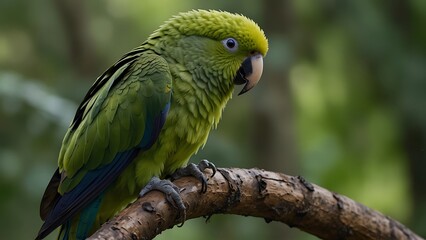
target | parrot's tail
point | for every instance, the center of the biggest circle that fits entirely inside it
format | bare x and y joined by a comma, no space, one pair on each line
81,226
64,233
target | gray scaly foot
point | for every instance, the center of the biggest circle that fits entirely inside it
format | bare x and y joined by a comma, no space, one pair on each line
172,194
195,171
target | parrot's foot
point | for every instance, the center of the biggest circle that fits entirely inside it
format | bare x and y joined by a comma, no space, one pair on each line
172,194
195,171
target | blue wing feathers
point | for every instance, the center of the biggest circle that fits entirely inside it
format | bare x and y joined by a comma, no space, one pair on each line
152,130
88,217
93,184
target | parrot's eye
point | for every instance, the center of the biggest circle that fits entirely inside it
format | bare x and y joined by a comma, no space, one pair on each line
230,44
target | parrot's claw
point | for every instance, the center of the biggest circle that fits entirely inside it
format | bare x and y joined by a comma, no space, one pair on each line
195,171
172,194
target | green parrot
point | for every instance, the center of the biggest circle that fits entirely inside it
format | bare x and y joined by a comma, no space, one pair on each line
148,114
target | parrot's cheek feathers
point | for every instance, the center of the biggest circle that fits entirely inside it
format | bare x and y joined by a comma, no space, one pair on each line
249,73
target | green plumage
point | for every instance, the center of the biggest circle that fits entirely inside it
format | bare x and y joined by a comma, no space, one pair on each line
115,118
185,64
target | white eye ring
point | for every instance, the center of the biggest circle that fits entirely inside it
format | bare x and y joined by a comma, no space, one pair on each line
231,44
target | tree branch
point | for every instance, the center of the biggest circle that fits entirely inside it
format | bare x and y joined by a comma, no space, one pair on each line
258,193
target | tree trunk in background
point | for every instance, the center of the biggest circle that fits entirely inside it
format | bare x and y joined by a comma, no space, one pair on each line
412,127
81,46
415,145
274,134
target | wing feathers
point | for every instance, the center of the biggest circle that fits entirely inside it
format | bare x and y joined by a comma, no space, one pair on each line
122,114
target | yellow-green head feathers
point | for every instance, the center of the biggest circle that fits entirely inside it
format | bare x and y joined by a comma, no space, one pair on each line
217,25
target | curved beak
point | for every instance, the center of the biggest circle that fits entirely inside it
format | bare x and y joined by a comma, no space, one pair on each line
250,72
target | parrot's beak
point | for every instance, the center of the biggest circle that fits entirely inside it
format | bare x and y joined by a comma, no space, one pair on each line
250,72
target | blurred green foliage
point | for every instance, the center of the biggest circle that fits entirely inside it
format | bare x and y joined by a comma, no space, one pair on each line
342,101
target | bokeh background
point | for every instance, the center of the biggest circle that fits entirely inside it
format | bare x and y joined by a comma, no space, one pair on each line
342,100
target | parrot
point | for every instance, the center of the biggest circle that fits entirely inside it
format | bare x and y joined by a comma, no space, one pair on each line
146,115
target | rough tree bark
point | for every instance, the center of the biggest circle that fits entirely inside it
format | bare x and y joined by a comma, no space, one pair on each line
258,193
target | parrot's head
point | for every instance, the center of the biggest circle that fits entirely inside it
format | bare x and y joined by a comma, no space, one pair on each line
217,44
